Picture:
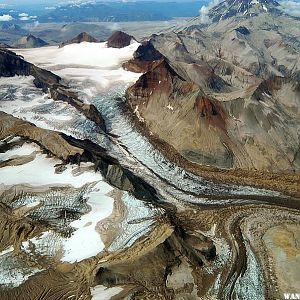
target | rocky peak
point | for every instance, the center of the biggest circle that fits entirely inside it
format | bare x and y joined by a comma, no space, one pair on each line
246,8
30,41
119,39
146,57
147,52
81,37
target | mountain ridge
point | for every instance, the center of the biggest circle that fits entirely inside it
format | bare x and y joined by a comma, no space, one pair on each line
243,116
248,8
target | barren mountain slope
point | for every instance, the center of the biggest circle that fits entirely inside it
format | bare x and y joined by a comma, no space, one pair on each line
243,108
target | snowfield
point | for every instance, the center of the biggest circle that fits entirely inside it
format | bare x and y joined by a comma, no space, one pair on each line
41,172
88,54
25,149
85,241
92,65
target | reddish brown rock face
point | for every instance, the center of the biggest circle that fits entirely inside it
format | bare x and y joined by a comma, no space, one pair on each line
119,39
139,66
157,78
147,52
211,111
146,58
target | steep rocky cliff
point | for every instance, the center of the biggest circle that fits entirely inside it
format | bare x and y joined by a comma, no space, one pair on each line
119,39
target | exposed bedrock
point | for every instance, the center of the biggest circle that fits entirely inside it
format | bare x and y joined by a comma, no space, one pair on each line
145,57
119,39
12,64
162,93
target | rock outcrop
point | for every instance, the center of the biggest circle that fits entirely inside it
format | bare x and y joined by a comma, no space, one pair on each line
119,39
145,58
81,37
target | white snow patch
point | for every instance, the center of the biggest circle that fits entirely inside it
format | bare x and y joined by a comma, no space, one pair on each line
86,62
100,292
86,241
25,149
33,204
170,107
41,171
83,54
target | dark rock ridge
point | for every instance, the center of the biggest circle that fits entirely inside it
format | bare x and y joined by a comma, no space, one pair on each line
147,52
30,41
119,39
145,58
110,168
81,37
11,64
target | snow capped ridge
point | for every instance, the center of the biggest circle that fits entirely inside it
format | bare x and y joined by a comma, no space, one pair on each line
243,8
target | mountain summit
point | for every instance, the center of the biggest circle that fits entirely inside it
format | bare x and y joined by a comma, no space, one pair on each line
81,37
249,8
30,41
